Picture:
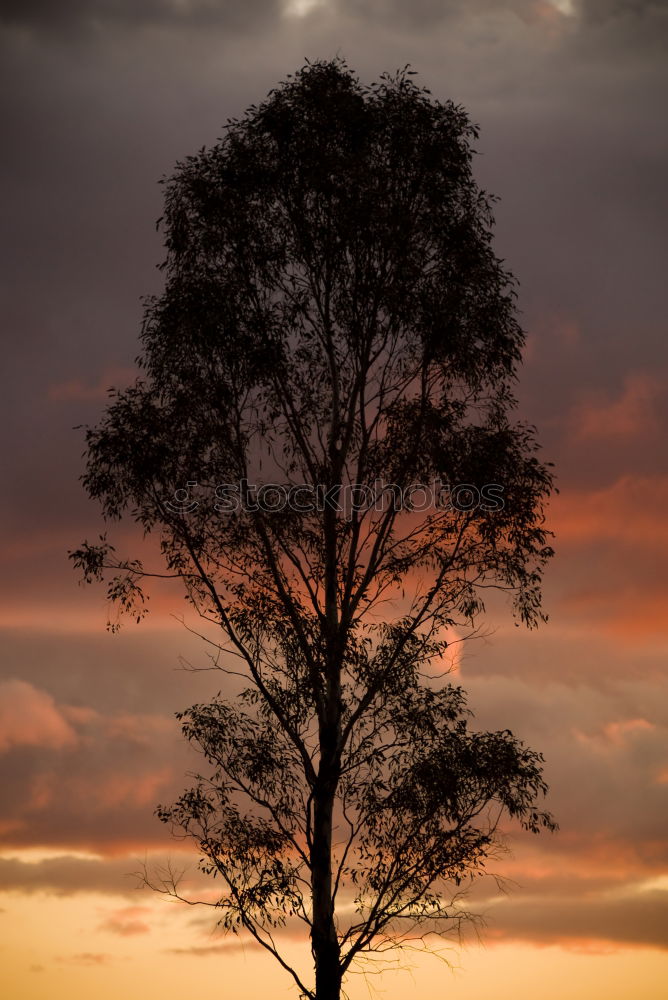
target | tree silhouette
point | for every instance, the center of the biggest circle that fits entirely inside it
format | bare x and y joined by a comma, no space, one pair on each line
322,441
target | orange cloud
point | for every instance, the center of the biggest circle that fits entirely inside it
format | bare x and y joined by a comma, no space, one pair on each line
126,922
574,857
618,732
611,546
632,414
615,734
30,717
621,612
140,729
631,510
129,789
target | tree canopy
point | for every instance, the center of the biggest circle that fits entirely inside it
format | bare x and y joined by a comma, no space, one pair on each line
322,439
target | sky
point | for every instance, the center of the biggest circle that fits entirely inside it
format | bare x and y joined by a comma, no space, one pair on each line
99,100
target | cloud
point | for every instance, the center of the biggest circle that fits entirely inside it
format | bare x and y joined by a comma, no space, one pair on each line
629,511
126,922
620,732
68,14
610,10
103,795
639,919
86,958
599,882
421,15
140,729
30,717
611,546
67,875
632,415
604,751
128,791
103,791
100,802
424,15
216,950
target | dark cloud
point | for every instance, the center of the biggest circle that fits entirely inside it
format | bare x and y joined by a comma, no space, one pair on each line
549,898
66,875
68,15
606,10
641,918
69,875
423,15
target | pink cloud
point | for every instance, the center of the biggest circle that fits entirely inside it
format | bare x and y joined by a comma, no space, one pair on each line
126,922
138,790
632,414
619,732
615,735
80,715
30,717
622,612
632,509
612,545
139,728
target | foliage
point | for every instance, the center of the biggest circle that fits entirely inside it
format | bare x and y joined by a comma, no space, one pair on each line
334,318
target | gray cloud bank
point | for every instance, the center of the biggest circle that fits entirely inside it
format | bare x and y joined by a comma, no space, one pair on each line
74,14
632,920
67,875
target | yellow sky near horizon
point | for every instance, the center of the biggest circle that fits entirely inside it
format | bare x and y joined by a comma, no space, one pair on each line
63,949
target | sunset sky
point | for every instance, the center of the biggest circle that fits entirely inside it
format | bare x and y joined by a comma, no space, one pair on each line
100,98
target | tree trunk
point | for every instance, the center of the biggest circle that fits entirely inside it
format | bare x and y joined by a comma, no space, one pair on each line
324,940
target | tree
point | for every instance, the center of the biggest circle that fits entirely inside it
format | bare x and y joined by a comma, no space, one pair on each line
321,439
